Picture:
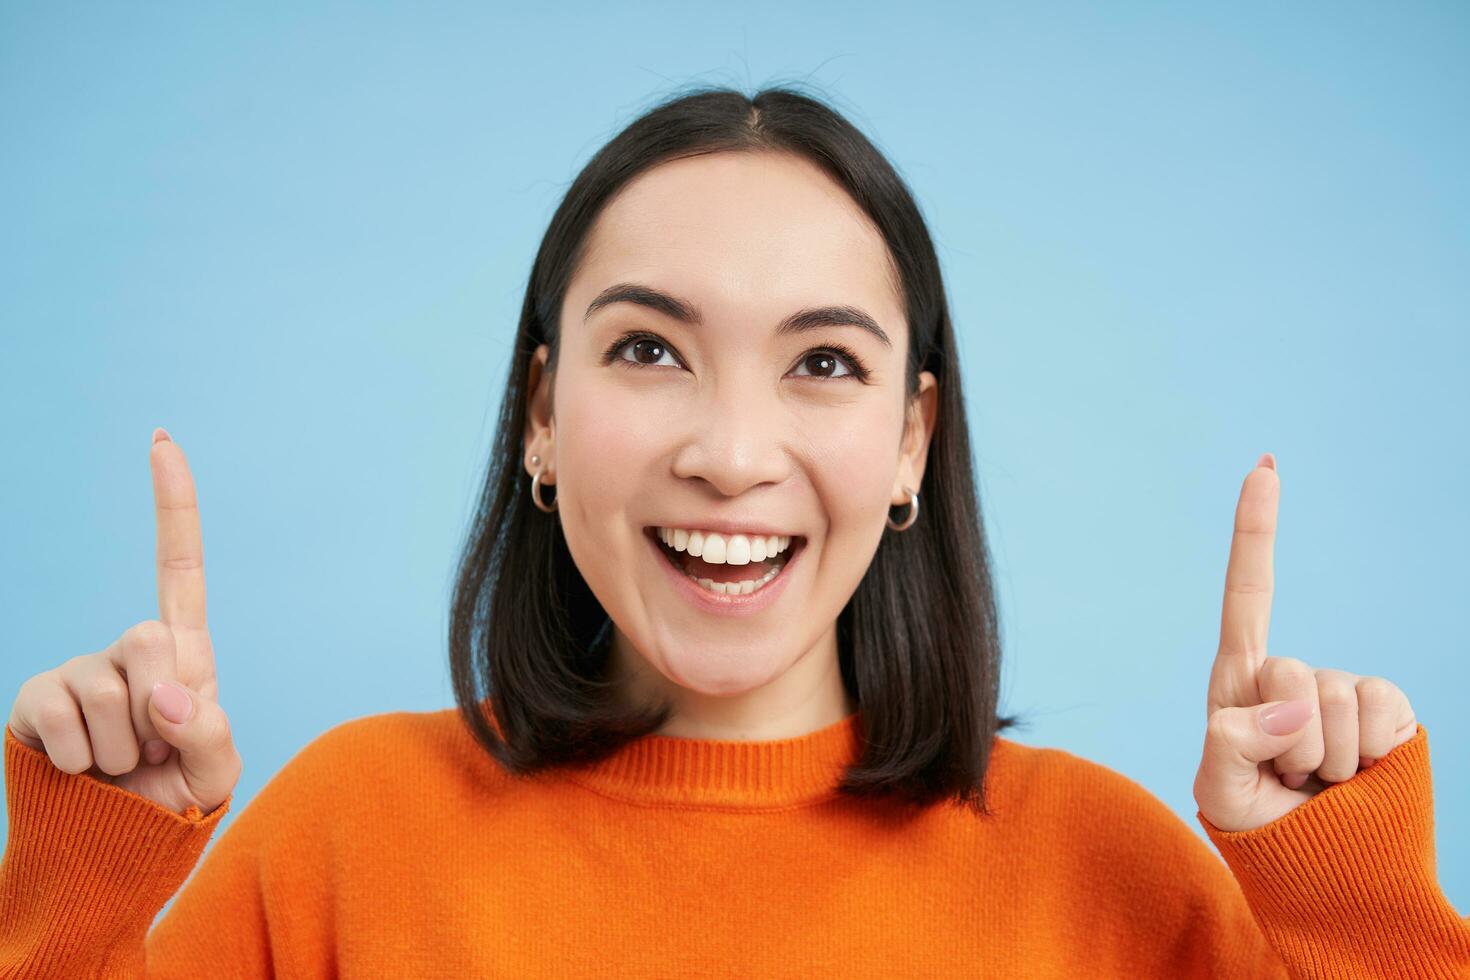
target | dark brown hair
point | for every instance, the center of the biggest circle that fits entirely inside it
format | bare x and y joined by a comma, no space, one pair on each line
918,641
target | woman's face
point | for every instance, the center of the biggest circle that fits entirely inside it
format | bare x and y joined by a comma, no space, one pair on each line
729,424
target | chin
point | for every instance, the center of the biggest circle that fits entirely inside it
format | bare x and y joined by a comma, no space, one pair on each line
724,673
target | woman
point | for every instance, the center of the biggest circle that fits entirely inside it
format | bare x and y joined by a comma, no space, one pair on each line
726,688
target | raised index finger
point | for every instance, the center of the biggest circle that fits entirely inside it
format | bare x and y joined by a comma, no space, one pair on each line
180,553
1246,614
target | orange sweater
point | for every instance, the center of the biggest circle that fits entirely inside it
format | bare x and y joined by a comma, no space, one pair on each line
393,846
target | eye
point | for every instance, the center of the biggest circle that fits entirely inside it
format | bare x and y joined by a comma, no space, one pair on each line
828,361
822,362
647,351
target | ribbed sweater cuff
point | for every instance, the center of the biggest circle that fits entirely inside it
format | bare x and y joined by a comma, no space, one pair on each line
1358,852
87,865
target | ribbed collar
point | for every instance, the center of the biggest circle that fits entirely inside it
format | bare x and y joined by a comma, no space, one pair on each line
663,769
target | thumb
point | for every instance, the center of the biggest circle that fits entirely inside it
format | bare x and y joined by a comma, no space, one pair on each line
1238,740
200,730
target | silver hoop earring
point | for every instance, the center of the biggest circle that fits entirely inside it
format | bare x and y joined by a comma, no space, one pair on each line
913,513
536,495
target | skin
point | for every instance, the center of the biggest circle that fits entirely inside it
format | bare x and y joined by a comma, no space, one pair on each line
1256,770
729,420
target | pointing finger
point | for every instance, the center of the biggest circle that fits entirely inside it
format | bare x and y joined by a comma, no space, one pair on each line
1246,612
180,550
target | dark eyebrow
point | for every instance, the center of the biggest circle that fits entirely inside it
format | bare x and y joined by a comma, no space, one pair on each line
685,312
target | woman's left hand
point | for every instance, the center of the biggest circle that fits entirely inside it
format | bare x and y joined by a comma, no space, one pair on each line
1329,723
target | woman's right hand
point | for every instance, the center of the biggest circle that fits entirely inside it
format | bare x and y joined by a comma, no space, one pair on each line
99,714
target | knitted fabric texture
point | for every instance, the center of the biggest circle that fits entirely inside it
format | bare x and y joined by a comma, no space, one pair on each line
394,846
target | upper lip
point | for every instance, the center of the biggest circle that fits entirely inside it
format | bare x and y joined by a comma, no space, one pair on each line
728,527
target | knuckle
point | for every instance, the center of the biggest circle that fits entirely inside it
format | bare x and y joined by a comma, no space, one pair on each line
1285,667
104,690
1377,691
30,687
1218,727
1334,693
217,734
151,637
71,666
182,563
1289,663
55,715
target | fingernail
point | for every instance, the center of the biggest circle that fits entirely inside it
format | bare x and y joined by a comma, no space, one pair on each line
1364,762
155,750
1285,718
174,703
1267,460
160,434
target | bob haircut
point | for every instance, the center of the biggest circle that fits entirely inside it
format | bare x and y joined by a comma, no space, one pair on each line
918,640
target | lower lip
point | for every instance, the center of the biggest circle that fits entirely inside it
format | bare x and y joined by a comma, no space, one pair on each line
725,605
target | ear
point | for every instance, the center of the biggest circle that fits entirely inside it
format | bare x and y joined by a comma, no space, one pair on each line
919,418
540,434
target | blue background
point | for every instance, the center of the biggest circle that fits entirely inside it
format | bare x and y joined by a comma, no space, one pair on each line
1176,236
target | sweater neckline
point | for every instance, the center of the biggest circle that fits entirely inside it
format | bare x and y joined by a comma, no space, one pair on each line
727,774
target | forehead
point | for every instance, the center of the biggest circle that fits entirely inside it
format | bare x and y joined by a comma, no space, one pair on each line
741,234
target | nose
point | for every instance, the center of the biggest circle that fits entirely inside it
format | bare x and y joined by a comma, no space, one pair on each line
738,437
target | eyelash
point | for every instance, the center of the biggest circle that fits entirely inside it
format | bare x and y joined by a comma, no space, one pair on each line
854,364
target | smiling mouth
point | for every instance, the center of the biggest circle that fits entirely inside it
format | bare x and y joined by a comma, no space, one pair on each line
723,577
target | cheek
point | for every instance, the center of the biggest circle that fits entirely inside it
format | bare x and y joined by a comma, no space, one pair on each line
853,464
605,446
605,440
854,458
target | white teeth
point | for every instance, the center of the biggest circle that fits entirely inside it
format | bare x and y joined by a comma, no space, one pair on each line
714,549
736,549
738,588
720,549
